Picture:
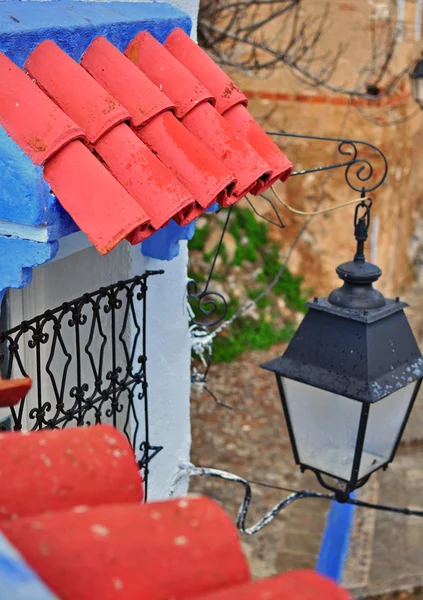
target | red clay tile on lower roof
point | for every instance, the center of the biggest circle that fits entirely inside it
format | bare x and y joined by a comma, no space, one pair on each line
29,117
204,176
99,205
61,469
184,49
177,549
76,92
294,585
198,115
13,390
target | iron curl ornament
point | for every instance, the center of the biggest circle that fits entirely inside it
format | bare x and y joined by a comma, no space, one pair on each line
206,301
364,172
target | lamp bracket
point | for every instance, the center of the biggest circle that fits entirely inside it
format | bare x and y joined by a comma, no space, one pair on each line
360,176
365,178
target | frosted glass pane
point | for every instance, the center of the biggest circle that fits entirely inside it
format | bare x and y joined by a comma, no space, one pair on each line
325,427
383,426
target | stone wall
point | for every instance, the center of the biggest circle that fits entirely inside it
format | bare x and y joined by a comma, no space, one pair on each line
296,108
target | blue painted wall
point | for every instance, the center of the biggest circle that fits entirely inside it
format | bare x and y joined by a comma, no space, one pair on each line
336,541
25,198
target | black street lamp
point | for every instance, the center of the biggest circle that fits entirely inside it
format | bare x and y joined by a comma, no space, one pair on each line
349,377
416,77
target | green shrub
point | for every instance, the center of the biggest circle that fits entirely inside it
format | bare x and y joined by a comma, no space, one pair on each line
255,249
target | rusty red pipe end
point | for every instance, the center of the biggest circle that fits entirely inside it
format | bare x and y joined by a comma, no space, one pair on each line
13,390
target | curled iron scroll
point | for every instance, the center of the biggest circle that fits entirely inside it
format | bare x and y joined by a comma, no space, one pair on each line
359,170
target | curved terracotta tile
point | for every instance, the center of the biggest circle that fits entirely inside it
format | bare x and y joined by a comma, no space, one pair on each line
99,205
231,104
167,73
125,82
146,179
61,469
13,390
143,176
184,49
177,549
246,126
76,92
29,117
198,115
197,169
250,170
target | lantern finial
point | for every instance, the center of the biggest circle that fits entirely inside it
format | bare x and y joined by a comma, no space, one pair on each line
358,275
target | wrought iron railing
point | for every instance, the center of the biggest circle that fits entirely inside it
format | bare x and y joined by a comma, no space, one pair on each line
87,359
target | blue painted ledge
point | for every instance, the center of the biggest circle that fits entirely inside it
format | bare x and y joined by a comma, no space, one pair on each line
17,580
336,541
28,208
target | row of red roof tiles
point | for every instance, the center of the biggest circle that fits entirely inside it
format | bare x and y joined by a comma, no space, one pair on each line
130,142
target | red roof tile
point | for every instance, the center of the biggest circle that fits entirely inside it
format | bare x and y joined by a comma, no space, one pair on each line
13,390
298,584
199,170
55,470
73,511
29,117
100,115
231,103
204,68
193,107
169,75
126,147
77,94
97,202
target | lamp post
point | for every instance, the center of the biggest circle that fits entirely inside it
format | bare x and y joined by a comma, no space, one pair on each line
349,377
416,77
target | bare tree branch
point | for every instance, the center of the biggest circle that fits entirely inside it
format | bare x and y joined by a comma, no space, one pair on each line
256,37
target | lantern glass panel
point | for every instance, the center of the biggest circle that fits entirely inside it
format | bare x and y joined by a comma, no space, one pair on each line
325,427
417,89
383,427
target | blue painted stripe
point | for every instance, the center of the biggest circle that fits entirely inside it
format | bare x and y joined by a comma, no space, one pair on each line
336,541
73,25
17,580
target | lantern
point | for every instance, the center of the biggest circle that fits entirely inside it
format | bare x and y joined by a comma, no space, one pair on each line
417,82
349,377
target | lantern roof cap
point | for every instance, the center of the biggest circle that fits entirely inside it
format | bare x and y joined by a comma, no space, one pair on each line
417,72
364,355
